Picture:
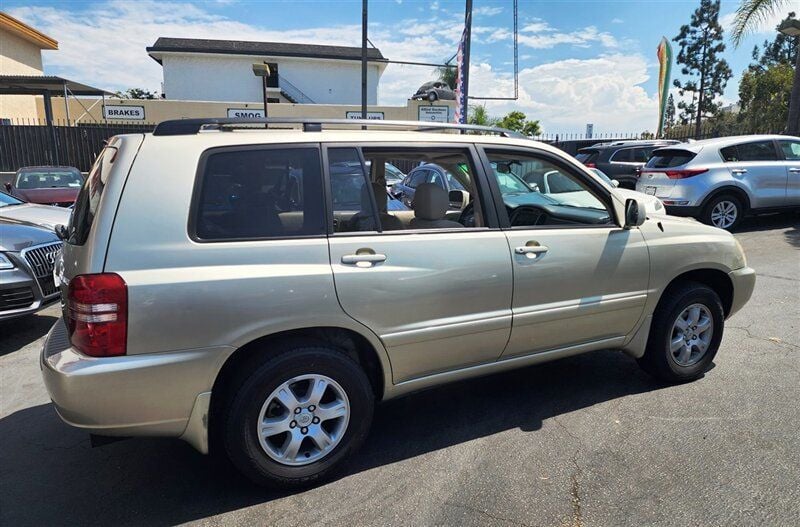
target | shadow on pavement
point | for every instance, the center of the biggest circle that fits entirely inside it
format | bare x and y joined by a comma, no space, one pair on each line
768,222
17,333
50,475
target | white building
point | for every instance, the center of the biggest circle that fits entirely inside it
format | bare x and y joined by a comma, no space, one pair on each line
222,70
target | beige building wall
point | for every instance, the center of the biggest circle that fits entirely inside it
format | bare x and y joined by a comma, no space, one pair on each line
157,110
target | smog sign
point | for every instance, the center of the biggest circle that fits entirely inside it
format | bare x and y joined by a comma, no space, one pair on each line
370,115
125,113
433,114
245,113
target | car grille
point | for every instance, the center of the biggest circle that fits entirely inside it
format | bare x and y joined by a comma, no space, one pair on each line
42,260
17,298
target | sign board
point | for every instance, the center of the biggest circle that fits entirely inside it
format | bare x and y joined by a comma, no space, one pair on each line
370,115
125,113
245,113
433,114
589,131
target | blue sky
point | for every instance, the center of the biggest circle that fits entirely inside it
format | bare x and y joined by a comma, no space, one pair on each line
580,61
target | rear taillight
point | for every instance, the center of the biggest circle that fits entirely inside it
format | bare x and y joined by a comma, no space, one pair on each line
683,174
97,314
590,165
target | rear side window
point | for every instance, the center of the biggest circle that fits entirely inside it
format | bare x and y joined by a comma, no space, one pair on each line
88,199
670,158
756,151
587,156
260,193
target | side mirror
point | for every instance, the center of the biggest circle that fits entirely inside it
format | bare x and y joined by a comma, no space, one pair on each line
634,213
614,183
459,199
8,186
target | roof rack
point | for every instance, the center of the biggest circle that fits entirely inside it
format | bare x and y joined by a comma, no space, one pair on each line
193,126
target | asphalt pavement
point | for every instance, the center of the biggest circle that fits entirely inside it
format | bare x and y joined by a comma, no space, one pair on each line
589,440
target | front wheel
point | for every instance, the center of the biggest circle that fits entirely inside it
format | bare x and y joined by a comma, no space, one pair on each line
685,334
298,416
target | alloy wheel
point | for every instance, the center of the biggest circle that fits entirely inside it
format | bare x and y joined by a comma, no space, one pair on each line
691,335
724,214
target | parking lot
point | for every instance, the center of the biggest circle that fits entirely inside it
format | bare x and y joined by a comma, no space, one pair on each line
589,440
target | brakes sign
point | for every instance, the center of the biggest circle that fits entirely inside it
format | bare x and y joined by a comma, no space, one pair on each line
124,113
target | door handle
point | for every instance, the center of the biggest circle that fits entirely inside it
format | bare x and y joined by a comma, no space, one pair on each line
739,171
531,250
366,258
795,170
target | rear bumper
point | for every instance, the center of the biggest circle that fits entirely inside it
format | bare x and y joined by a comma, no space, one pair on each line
744,281
135,395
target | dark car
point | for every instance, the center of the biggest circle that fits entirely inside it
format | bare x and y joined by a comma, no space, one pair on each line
621,160
427,173
27,257
46,185
433,91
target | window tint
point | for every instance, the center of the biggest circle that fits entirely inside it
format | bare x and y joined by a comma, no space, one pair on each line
641,155
350,192
88,199
756,151
670,158
623,156
791,150
259,193
587,156
538,192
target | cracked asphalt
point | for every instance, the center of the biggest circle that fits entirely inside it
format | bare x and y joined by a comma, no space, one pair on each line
588,440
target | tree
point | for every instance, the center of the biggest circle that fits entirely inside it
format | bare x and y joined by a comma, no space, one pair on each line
701,44
751,14
518,122
447,74
479,115
136,93
669,113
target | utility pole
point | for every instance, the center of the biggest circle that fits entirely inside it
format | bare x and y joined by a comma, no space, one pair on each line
364,59
467,40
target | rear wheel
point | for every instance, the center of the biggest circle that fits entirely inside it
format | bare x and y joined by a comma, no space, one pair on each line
723,211
685,333
297,417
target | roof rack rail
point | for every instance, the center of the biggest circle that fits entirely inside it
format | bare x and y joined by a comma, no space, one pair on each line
193,126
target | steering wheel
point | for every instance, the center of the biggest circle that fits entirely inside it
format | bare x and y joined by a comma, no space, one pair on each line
467,217
528,215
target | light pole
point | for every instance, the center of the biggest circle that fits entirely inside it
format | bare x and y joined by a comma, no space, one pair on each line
262,70
791,28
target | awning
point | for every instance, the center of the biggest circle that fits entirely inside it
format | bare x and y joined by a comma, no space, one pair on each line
45,84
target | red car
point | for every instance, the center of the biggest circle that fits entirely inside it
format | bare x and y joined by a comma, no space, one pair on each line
46,185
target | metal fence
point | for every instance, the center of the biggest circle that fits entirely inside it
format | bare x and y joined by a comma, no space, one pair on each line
31,144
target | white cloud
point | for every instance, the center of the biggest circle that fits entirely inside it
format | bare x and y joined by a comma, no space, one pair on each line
540,35
487,11
617,21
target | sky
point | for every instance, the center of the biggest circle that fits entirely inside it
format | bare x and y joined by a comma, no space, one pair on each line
580,62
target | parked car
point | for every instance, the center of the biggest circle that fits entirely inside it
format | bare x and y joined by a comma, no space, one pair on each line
621,160
427,173
27,254
269,329
720,181
433,91
41,215
653,205
46,185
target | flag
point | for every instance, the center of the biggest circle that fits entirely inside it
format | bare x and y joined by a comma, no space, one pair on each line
664,54
461,97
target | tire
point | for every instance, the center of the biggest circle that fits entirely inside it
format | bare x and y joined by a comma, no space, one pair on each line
659,359
432,96
715,214
247,404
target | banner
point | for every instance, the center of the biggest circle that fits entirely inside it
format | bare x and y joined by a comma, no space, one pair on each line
461,97
665,67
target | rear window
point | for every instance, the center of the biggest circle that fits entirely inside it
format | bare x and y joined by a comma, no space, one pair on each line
587,156
260,193
80,223
670,158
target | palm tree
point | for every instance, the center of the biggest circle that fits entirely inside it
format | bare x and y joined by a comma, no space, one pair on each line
479,115
447,74
750,14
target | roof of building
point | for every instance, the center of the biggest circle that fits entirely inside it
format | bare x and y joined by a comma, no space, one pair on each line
39,84
269,49
23,30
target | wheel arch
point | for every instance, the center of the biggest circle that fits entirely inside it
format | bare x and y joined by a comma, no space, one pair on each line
733,190
716,279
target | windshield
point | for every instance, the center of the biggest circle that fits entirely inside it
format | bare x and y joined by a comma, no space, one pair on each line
6,200
48,178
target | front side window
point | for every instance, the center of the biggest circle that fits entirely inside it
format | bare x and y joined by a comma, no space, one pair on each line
623,156
260,193
537,191
791,149
755,151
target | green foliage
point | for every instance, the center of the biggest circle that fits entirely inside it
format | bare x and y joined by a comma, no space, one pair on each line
136,93
669,113
705,72
447,74
518,122
751,14
479,115
782,50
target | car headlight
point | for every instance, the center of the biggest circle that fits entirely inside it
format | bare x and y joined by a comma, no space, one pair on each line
5,262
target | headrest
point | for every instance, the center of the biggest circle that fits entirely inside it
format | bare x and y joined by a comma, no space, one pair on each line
430,202
380,197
